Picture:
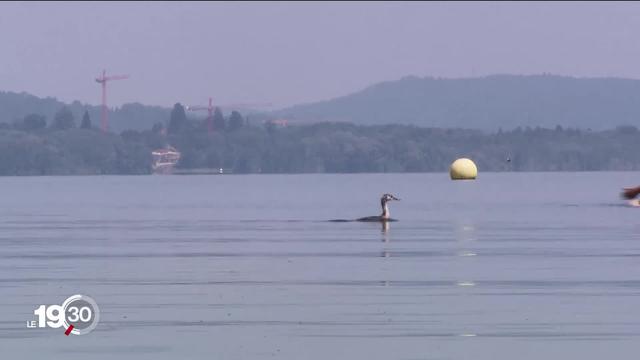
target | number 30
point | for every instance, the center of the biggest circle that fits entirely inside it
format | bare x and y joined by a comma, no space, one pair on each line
79,314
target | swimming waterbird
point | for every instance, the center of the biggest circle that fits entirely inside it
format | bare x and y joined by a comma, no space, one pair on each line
385,216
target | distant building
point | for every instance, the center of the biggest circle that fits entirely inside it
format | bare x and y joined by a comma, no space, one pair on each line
164,160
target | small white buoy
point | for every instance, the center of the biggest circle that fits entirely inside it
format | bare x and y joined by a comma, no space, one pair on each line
463,169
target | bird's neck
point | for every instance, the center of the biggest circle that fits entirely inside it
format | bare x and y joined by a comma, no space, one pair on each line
385,209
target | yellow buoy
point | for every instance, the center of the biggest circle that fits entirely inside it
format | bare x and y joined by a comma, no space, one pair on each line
463,169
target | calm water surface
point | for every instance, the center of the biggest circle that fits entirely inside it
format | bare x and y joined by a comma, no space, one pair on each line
511,266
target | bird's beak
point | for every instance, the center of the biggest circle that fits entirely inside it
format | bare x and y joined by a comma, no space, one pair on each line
395,198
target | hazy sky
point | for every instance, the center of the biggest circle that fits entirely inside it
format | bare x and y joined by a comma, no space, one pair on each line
287,53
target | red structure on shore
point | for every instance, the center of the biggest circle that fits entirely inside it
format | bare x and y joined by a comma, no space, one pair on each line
104,125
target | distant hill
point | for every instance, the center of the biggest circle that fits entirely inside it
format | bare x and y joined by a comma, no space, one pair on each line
129,116
487,103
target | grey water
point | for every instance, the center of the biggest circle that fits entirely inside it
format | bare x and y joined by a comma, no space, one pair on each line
509,266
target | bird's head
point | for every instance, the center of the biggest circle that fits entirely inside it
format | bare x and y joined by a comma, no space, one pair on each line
388,197
630,193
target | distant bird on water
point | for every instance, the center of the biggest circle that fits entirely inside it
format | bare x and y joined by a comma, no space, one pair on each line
630,194
382,218
385,216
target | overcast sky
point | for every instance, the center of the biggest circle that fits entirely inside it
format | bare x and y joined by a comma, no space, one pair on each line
288,53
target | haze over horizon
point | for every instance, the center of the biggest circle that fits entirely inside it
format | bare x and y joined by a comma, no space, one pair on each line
292,53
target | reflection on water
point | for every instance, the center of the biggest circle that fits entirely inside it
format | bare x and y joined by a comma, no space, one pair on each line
385,229
247,267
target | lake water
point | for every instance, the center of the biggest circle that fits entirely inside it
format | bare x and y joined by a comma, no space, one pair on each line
510,266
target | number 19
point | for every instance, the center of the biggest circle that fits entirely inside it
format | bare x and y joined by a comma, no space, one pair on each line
53,313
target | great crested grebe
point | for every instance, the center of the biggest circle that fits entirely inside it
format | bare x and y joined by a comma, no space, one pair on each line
385,210
630,194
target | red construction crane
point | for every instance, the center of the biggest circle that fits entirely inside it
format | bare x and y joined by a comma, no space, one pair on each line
210,109
104,125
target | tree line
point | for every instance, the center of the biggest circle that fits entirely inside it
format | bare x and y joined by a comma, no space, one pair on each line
34,145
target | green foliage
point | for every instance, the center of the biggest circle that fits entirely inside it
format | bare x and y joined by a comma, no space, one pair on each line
86,121
219,123
63,119
236,121
127,116
342,147
481,103
28,148
178,119
26,154
72,151
486,103
158,127
31,122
